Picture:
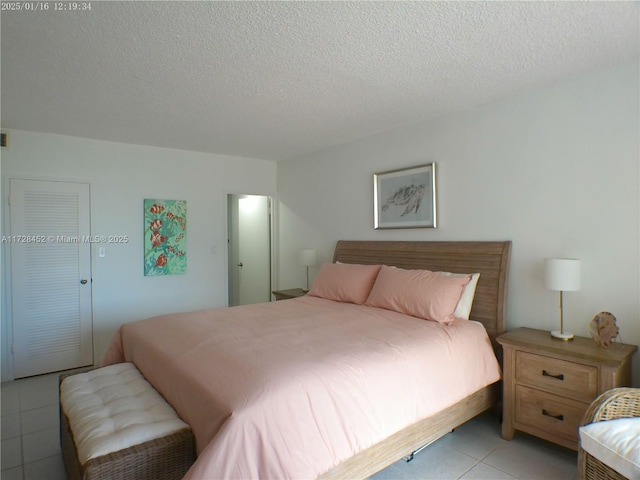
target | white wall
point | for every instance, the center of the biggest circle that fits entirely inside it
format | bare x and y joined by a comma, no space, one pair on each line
121,176
555,171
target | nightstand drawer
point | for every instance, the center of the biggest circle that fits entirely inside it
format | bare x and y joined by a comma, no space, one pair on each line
557,376
549,413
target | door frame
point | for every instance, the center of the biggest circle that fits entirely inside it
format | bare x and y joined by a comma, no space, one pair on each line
272,240
6,294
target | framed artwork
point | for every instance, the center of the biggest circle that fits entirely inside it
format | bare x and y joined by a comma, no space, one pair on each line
405,198
165,237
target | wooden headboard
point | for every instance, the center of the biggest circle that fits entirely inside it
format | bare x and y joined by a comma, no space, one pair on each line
490,259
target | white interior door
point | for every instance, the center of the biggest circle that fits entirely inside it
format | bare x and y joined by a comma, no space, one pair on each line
50,276
249,249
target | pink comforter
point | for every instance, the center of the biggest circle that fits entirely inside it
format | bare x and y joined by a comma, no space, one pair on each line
290,389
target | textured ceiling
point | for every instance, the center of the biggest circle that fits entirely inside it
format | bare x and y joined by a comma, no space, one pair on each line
277,80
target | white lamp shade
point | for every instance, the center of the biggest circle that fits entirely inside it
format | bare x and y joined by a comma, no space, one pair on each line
307,257
562,274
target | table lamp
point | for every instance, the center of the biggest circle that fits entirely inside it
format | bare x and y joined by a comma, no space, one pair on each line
562,275
307,259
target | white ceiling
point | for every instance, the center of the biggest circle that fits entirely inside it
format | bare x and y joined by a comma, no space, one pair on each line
277,80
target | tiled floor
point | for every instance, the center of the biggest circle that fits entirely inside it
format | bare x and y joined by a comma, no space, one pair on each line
30,447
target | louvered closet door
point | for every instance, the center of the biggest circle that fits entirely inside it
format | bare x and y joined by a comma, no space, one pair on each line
50,276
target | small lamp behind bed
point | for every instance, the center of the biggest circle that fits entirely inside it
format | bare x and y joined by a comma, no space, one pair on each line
307,259
562,274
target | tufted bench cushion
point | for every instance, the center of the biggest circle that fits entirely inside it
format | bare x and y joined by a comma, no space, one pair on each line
615,443
114,424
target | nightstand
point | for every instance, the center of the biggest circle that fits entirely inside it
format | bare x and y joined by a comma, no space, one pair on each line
549,383
286,294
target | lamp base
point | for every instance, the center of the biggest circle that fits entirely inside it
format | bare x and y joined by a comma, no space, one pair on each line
562,335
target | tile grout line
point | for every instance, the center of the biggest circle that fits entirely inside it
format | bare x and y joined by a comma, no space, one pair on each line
21,436
469,469
481,461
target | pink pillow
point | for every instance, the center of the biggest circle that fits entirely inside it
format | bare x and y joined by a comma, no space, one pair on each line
344,282
419,293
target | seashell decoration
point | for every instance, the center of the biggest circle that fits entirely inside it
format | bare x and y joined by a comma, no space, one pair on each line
603,329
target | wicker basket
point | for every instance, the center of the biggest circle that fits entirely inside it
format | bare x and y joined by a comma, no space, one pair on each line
615,403
165,458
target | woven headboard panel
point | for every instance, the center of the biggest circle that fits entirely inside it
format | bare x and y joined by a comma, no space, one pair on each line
490,259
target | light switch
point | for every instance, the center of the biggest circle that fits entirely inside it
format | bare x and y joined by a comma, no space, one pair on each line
102,252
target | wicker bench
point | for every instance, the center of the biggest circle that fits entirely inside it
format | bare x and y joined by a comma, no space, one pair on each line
598,456
115,425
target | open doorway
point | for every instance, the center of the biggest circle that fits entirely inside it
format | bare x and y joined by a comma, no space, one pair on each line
249,248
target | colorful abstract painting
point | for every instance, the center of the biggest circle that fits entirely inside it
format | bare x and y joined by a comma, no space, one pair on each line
165,237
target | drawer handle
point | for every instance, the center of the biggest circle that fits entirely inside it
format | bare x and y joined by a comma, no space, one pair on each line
546,413
547,374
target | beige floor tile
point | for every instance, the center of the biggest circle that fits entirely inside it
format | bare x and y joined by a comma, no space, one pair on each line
39,419
11,426
477,438
40,445
12,474
436,462
51,468
389,473
11,453
10,398
529,458
38,392
482,471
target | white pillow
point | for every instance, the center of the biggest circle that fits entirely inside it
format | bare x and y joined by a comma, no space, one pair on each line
463,309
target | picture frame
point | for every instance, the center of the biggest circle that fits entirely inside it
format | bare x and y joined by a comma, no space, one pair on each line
165,237
405,198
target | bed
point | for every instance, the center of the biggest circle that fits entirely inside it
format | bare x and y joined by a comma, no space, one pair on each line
318,388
